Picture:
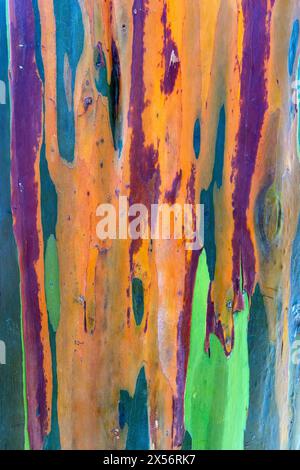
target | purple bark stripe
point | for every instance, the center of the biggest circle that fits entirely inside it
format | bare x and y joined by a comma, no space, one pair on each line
256,50
26,125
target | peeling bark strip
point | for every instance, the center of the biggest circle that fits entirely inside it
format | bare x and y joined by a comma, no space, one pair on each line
144,169
256,50
26,94
184,330
170,54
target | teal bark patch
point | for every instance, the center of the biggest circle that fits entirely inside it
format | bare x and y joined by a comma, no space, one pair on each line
138,300
110,90
187,442
134,413
293,46
207,196
262,431
69,47
197,138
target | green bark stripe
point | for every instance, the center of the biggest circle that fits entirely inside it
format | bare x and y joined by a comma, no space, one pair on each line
52,282
217,388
